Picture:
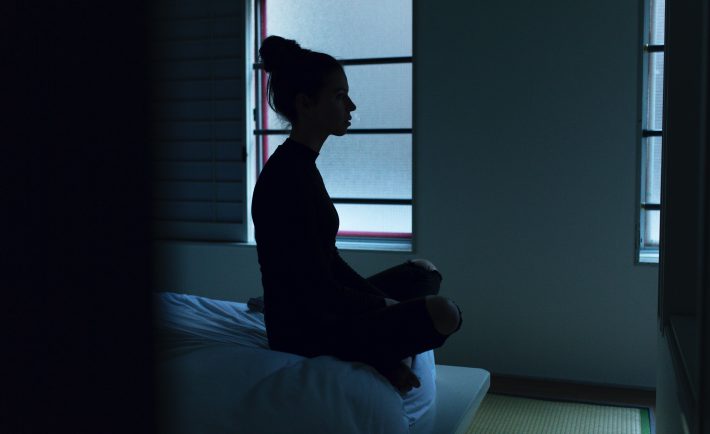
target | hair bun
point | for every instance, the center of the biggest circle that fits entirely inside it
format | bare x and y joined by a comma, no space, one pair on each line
277,52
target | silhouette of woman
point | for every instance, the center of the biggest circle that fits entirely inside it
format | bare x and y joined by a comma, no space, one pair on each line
314,302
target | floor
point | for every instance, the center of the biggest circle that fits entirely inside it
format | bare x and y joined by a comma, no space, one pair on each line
564,391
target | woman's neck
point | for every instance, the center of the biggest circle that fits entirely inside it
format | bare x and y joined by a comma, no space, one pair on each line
312,139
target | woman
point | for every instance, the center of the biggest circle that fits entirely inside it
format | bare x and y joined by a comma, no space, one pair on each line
314,302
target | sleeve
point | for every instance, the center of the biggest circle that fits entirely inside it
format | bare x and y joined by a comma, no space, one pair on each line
297,252
351,278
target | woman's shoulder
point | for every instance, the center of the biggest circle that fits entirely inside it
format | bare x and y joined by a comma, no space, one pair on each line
280,181
279,171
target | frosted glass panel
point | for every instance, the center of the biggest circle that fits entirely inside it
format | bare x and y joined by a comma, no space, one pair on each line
358,166
651,190
653,169
271,142
377,166
653,225
657,27
375,219
382,95
655,92
344,28
372,166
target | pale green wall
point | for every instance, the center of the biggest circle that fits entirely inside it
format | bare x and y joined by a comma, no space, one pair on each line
525,185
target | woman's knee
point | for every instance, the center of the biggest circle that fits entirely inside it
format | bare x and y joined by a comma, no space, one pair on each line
444,314
424,263
431,272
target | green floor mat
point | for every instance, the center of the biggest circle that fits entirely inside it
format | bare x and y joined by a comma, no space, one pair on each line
502,414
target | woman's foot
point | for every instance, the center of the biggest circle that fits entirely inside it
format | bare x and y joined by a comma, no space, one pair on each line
402,378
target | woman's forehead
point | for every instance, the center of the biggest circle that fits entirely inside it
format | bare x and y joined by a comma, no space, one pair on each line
337,81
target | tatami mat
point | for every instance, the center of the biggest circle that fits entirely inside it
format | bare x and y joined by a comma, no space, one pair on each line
502,414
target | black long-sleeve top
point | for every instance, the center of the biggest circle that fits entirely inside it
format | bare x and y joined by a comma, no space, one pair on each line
305,280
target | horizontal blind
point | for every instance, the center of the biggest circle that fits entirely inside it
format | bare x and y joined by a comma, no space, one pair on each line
199,95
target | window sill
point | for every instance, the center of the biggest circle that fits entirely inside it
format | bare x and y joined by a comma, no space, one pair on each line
648,257
380,245
348,244
206,243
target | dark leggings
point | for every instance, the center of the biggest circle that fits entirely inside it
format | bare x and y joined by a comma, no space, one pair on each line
384,337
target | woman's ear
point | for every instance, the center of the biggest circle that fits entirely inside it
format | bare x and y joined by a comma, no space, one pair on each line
303,105
303,102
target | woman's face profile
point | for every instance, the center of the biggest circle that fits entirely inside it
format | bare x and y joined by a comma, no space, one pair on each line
332,111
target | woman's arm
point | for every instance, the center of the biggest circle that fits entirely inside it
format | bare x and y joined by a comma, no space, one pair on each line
346,275
292,242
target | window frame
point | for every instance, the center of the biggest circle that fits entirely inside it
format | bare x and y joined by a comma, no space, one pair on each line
357,240
645,254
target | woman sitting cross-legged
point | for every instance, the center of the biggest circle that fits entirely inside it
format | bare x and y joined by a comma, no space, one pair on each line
315,303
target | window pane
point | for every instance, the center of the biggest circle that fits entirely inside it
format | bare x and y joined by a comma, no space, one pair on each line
376,219
364,28
359,166
658,14
271,142
382,94
654,117
651,188
373,166
368,166
652,228
653,169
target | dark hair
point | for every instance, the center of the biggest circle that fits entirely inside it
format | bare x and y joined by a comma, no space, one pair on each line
293,70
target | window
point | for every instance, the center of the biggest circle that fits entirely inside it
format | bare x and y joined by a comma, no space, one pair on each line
652,142
368,171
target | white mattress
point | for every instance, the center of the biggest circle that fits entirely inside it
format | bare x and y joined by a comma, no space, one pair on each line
217,375
459,393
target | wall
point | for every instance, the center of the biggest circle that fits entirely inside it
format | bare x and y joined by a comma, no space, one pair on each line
526,131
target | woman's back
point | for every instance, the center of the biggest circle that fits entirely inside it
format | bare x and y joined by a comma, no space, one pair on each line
295,223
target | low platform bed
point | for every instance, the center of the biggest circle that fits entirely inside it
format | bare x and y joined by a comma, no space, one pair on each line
459,392
217,375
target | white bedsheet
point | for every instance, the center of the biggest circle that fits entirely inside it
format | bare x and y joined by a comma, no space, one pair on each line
217,375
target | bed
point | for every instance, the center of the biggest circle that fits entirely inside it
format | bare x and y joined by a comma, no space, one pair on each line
216,375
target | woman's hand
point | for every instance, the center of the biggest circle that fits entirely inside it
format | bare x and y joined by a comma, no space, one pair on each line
402,378
389,302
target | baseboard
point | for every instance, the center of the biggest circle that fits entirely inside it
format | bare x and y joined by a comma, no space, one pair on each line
573,391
